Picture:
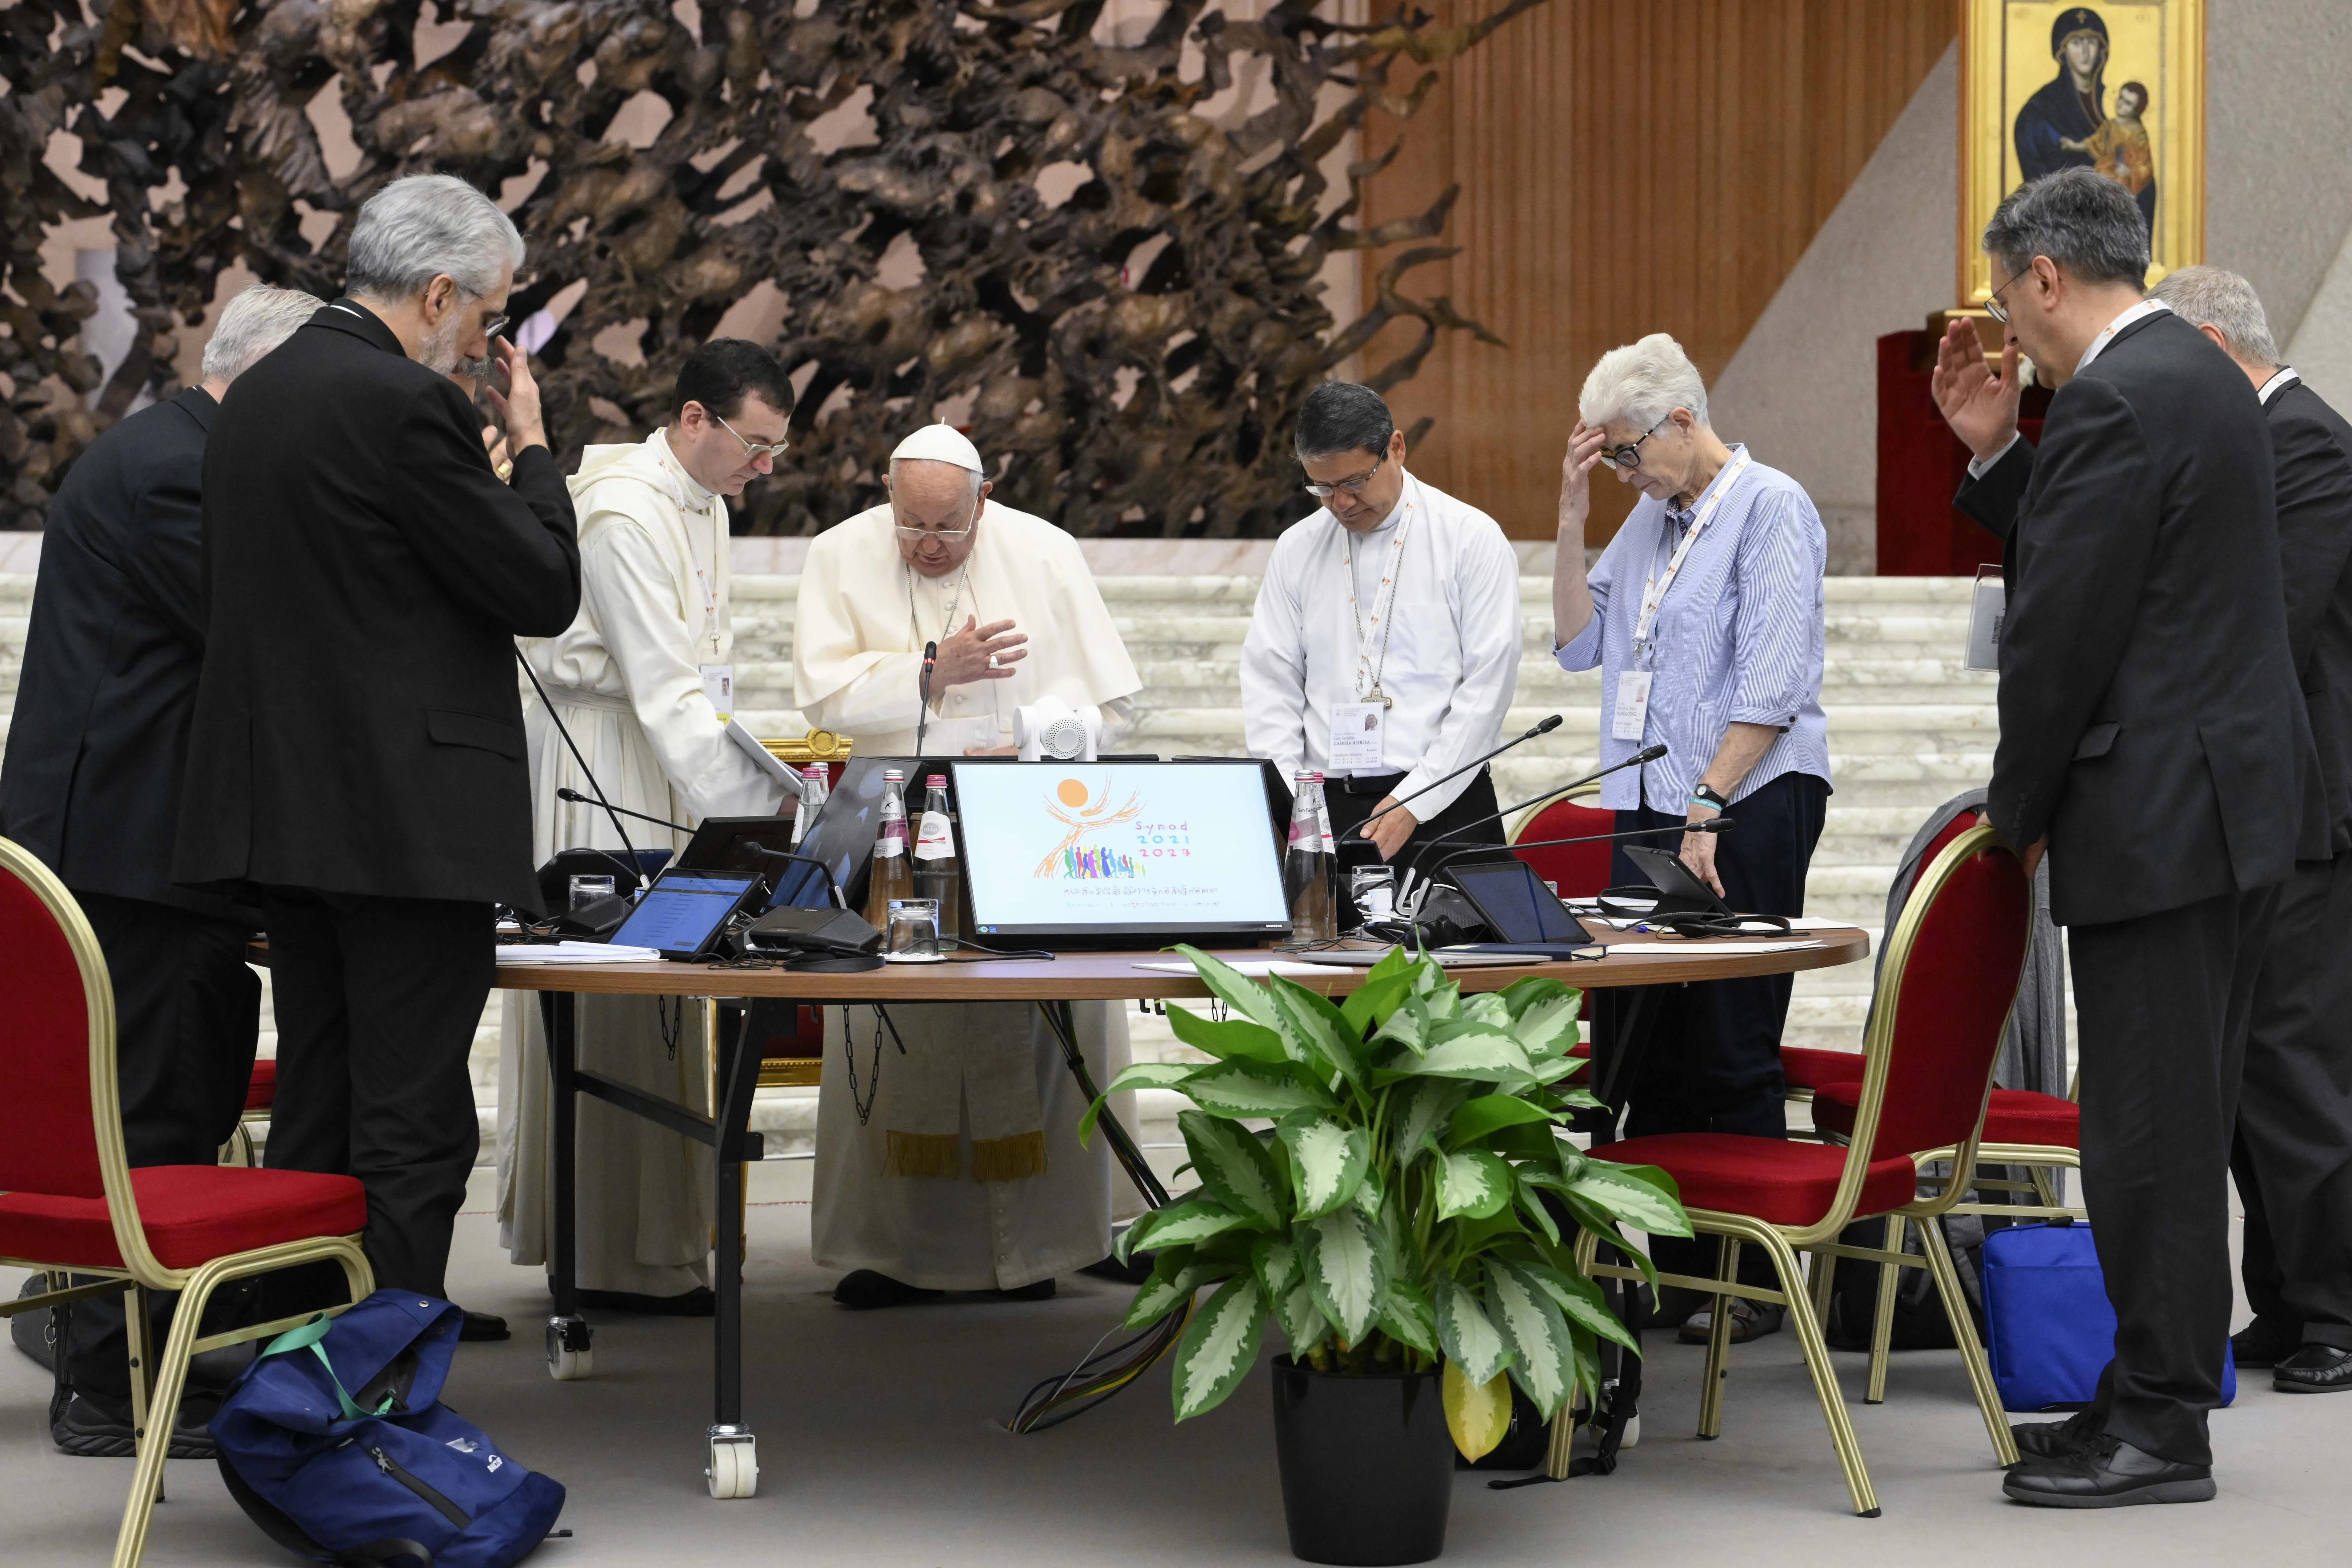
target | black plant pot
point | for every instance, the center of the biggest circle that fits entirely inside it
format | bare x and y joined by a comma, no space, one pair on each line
1367,1465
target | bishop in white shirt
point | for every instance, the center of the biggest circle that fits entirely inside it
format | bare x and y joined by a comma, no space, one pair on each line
644,681
956,1164
1384,649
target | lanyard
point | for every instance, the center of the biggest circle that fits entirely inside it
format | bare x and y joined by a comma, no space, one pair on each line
1383,617
709,594
1653,589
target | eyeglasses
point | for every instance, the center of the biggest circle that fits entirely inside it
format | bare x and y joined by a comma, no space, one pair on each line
1994,307
754,450
495,325
952,535
1630,455
1351,486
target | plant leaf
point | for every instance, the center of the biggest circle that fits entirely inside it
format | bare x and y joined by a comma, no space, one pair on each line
1234,1168
1408,1025
1424,1107
1328,1160
1303,1323
1219,1347
1275,1262
1548,1028
1490,1009
1167,1290
1531,1204
1234,988
1407,1318
1605,1226
1227,1039
1194,1219
1521,994
1544,1362
1479,1415
1579,1300
1472,1182
1643,1196
1489,1113
1381,995
1237,1089
1588,1358
1471,1050
1317,1022
1138,1075
1471,1342
1343,1272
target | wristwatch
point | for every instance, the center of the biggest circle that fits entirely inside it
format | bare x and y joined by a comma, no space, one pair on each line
1704,796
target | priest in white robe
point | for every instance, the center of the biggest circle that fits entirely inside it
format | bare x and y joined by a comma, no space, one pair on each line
643,680
963,1171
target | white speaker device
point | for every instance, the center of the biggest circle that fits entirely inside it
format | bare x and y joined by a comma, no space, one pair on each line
1052,728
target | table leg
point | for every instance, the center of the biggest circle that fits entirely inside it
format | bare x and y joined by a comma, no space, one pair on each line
569,1355
734,1469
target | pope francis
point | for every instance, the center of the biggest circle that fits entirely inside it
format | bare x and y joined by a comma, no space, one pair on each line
643,680
963,1171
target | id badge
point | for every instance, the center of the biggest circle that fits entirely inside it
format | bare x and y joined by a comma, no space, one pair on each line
718,685
1632,705
1357,731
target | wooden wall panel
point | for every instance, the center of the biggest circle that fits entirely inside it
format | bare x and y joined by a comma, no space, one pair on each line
1627,166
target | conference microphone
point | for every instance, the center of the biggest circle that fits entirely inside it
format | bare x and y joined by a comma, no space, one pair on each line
923,713
1712,824
1545,728
1647,754
574,796
757,847
611,811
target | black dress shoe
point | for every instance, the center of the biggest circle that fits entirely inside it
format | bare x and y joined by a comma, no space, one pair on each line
1037,1290
2106,1472
93,1426
2313,1368
2265,1342
698,1302
2052,1439
864,1290
481,1327
1134,1271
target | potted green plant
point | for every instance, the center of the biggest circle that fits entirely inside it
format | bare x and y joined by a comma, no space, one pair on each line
1392,1222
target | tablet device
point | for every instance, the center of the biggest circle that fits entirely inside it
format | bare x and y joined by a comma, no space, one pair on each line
1519,908
1680,890
682,914
1120,853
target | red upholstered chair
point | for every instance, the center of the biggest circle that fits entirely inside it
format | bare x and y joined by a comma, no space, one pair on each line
260,1098
70,1202
1952,968
1579,871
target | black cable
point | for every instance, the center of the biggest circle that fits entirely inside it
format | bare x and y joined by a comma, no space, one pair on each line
1139,1169
635,871
1022,953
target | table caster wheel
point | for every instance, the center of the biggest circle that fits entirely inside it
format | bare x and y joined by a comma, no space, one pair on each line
734,1469
571,1353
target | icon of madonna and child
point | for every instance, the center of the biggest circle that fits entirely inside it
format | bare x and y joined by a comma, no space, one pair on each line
2067,124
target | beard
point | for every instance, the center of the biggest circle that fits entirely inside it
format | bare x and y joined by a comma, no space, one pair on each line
438,353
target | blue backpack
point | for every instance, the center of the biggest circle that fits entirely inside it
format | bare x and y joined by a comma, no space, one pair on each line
335,1442
2050,1329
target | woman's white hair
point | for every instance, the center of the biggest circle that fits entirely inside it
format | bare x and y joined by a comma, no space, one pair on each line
1641,383
255,321
416,229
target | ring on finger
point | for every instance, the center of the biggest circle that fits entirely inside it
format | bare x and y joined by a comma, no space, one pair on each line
992,664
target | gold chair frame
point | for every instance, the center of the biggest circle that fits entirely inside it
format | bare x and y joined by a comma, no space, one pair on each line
1782,1242
1520,823
154,1389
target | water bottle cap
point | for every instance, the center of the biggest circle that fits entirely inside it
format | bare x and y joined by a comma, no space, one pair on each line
892,776
937,781
1306,775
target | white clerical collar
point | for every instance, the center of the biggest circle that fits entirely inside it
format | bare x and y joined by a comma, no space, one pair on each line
1403,505
2281,379
692,496
2139,313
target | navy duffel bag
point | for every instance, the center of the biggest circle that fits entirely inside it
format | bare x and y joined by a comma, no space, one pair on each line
336,1443
2049,1329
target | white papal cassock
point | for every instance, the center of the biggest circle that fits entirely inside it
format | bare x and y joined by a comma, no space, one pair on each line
863,618
625,679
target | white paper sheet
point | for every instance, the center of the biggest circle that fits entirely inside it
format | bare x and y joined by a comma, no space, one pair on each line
762,758
1710,948
1256,968
575,953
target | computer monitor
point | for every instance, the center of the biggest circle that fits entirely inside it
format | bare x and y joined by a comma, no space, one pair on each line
1517,904
1120,853
682,915
841,835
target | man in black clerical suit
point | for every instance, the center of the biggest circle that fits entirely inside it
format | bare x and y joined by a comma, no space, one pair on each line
91,785
357,756
2152,745
2293,1159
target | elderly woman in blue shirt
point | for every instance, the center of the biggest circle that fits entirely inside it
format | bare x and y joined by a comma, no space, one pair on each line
1704,616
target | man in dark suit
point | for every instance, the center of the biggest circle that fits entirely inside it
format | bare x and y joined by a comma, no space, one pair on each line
2151,744
91,785
2293,1159
357,757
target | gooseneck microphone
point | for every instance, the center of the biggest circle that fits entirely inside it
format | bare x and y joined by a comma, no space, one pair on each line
1545,728
576,798
587,773
757,847
923,713
1648,754
1712,824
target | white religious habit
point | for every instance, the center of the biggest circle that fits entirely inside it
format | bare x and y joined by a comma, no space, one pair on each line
1422,612
633,679
956,1166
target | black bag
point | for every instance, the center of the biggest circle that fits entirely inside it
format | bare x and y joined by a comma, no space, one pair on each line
1919,1322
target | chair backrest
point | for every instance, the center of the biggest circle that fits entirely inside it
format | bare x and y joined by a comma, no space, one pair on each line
1953,963
1580,870
56,998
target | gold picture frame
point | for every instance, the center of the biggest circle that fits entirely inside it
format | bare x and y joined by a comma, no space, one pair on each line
2022,92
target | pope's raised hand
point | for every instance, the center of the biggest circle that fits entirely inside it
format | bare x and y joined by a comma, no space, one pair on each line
965,656
1979,406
